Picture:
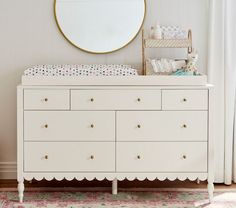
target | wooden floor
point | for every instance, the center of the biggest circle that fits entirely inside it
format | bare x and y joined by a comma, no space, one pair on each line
107,184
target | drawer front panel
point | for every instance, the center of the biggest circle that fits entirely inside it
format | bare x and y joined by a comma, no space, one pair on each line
69,126
46,99
162,126
185,99
162,157
66,157
115,99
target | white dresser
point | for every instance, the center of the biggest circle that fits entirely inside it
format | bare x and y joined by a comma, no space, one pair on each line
115,132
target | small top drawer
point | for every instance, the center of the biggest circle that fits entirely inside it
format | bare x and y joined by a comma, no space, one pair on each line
116,99
185,99
46,99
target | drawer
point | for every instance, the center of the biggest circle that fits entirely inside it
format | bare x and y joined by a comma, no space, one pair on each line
162,125
46,99
69,126
72,156
185,99
162,157
115,99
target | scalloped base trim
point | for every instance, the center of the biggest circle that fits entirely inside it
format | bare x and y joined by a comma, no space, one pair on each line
118,176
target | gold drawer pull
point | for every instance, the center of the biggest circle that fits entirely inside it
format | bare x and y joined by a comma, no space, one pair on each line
139,99
138,157
46,157
139,126
46,126
91,157
92,126
184,157
184,126
185,100
45,99
92,99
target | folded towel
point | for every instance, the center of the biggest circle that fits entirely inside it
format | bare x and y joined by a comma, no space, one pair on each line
167,65
154,65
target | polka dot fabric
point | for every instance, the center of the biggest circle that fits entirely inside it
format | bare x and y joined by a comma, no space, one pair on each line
81,70
174,32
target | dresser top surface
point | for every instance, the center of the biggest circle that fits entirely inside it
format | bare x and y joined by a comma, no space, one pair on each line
116,81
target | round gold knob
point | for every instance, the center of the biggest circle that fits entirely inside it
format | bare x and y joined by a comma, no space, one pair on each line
139,157
185,100
184,157
46,126
139,126
92,126
46,157
184,126
139,99
46,99
91,157
91,99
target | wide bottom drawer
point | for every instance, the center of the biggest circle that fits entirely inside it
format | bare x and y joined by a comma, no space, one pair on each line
162,157
69,157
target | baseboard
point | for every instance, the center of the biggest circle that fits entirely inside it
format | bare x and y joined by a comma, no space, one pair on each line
8,170
108,189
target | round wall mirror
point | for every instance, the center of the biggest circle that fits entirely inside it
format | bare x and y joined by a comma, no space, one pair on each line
100,26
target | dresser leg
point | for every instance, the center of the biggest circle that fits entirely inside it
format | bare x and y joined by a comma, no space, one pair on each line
210,187
21,188
198,181
114,187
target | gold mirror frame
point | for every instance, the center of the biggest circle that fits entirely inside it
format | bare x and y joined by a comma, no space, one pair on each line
87,51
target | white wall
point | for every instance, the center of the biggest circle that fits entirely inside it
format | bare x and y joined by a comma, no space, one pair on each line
29,36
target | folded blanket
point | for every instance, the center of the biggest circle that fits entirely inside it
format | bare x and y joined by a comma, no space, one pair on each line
173,32
166,65
81,70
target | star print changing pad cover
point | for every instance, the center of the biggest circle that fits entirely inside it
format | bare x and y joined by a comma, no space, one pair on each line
80,70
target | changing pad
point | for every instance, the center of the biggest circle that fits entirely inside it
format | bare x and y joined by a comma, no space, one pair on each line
100,75
80,70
